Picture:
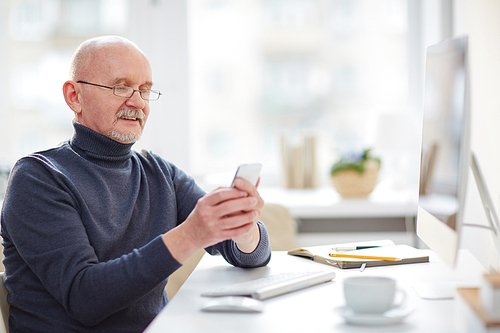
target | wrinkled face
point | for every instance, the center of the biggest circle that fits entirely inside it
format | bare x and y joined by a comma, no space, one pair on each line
121,119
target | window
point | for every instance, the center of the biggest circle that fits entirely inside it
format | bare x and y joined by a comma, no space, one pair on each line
261,70
237,76
41,38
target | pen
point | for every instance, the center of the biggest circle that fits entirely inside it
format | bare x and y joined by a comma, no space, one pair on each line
342,255
352,248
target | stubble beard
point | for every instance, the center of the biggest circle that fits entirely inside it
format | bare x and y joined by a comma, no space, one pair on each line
130,137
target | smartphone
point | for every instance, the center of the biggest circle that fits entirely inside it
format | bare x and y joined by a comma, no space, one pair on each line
249,172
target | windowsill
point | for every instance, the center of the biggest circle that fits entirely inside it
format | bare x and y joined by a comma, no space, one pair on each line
326,203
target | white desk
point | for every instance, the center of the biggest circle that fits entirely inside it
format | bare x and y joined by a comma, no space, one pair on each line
311,309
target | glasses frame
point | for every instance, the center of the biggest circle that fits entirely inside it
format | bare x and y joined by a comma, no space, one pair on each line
141,91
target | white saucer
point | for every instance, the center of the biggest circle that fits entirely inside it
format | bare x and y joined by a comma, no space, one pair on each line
392,316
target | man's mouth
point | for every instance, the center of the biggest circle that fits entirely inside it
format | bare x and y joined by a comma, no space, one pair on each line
131,115
128,118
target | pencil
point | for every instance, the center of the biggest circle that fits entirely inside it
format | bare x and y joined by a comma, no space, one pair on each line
356,256
353,248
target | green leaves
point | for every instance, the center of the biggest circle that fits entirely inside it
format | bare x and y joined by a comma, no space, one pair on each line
354,162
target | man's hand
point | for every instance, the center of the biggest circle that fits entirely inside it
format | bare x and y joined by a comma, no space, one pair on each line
247,242
226,213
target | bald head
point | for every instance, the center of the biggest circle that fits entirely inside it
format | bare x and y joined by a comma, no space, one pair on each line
98,66
88,53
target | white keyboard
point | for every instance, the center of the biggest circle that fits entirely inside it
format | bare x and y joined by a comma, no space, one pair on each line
273,285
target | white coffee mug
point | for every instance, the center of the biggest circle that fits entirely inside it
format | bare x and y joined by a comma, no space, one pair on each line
371,294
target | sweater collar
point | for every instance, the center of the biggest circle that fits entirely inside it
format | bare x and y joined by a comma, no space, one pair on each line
98,148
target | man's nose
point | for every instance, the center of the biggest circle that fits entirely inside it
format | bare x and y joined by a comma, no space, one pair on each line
136,100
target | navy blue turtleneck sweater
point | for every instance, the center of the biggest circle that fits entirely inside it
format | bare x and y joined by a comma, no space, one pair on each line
82,226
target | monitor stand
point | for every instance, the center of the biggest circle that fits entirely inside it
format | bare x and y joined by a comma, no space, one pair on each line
442,290
491,215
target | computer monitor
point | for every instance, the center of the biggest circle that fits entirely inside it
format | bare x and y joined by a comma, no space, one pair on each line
445,154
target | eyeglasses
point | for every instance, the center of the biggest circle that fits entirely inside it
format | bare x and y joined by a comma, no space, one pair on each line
127,92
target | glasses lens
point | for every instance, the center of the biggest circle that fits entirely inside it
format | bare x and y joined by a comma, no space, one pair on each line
123,91
150,95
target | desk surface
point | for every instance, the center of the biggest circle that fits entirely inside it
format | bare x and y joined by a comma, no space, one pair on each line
311,309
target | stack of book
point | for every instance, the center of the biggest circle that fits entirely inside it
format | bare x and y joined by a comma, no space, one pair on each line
472,313
299,162
480,307
362,254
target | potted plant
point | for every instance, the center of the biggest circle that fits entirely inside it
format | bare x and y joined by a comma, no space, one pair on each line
355,175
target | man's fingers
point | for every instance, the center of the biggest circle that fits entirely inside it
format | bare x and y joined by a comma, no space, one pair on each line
242,184
237,231
235,206
235,221
221,195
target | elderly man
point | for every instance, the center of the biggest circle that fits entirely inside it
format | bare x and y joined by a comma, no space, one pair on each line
93,229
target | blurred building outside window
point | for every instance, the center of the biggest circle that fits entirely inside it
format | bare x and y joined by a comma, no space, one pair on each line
257,71
260,70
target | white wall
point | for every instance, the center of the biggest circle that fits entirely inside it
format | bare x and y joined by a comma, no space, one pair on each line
165,44
480,20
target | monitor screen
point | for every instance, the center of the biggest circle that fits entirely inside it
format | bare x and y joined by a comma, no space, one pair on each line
445,154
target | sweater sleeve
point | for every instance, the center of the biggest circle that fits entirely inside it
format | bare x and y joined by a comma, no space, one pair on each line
259,257
42,218
187,194
50,253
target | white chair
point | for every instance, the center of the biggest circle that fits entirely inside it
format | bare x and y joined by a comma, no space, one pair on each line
177,279
4,307
281,227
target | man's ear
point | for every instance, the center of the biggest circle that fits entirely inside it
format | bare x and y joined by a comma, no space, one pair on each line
72,96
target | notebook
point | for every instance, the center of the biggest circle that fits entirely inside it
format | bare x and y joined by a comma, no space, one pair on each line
385,248
273,285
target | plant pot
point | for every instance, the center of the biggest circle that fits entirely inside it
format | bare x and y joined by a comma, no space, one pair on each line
352,184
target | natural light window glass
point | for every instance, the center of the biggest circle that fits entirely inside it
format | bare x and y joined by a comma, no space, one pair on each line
261,69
